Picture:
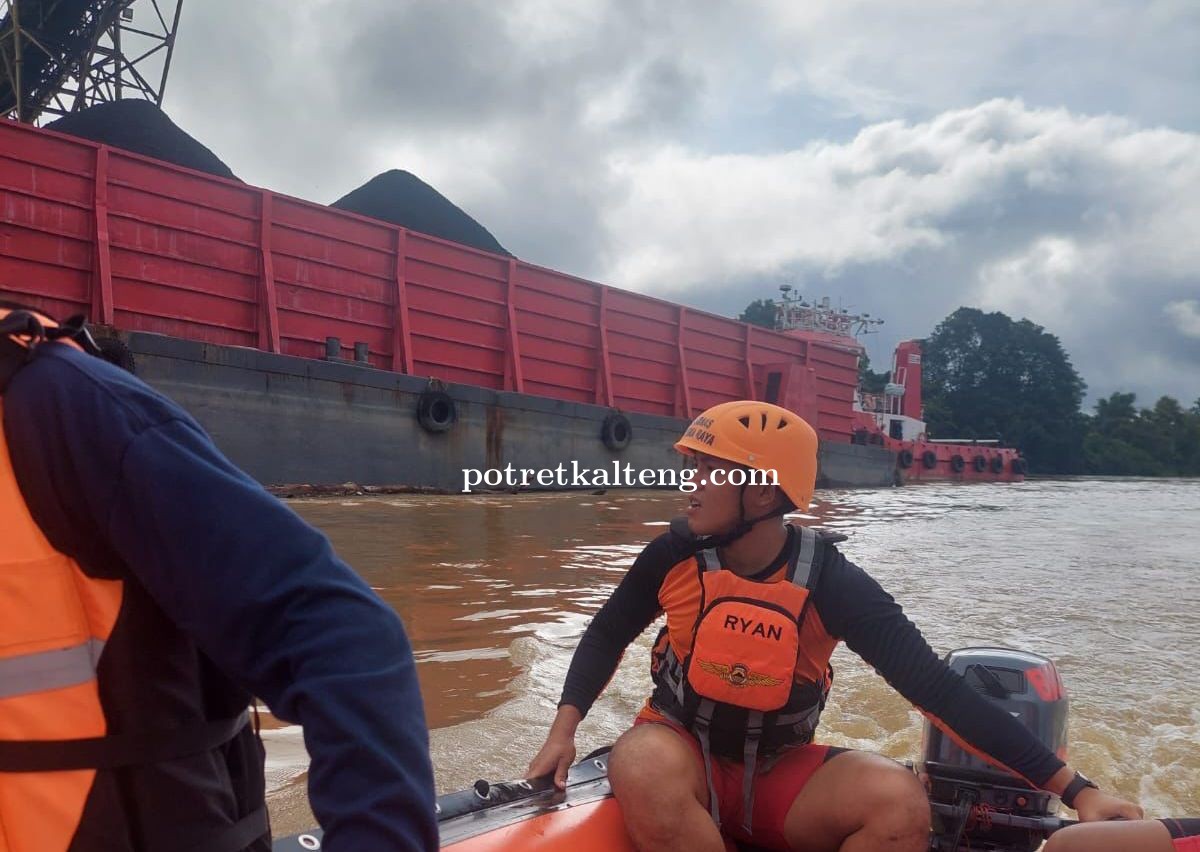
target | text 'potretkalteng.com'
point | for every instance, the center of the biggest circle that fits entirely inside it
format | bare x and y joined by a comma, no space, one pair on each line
574,475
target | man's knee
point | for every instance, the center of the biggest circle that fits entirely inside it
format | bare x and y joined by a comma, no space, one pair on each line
653,775
889,791
651,760
1061,842
875,801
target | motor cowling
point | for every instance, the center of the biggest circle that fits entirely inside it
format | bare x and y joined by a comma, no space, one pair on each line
966,791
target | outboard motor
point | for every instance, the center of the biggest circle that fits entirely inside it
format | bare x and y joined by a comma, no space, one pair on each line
979,806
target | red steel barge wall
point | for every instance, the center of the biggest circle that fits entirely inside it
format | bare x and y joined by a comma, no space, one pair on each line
143,245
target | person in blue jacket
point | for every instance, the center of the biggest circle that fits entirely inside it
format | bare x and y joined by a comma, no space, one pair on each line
149,590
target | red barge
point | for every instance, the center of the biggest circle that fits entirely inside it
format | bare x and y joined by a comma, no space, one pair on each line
321,346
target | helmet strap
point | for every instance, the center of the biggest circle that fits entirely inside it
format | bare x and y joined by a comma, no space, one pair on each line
743,526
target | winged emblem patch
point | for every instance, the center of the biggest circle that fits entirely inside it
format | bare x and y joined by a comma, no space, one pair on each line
738,674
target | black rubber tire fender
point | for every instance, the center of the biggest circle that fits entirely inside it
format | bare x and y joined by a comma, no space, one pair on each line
436,411
905,459
979,463
1019,466
929,459
116,351
997,464
616,432
957,463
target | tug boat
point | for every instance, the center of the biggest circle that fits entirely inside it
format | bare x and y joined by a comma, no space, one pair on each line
893,419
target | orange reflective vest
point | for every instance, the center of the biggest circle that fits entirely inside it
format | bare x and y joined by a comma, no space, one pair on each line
55,621
742,673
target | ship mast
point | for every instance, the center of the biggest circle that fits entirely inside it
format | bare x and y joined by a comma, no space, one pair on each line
793,313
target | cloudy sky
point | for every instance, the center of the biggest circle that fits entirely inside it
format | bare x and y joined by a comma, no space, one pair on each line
904,158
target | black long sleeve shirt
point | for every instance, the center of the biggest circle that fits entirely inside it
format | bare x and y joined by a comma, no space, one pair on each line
854,609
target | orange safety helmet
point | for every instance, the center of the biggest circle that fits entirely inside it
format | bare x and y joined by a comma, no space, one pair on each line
762,436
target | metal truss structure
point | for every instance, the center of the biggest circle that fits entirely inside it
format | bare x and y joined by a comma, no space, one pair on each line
62,56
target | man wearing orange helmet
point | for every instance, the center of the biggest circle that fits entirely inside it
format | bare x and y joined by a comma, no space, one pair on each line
754,608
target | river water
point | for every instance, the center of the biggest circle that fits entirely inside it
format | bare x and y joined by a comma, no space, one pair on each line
1101,575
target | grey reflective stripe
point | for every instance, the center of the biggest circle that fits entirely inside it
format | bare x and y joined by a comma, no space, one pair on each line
29,673
754,722
804,559
704,715
708,559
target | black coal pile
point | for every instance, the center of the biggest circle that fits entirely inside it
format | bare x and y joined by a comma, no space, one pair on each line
404,199
142,127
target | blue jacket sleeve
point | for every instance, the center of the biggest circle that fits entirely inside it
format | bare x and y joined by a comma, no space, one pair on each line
259,590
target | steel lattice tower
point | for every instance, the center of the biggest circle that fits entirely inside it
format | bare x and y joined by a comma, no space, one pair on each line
62,56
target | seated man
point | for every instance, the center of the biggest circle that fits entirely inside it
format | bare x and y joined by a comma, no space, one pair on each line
754,608
1158,835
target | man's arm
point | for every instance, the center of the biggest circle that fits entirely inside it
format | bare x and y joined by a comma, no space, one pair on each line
258,589
854,607
630,609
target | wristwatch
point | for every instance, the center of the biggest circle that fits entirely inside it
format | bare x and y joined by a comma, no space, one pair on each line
1074,788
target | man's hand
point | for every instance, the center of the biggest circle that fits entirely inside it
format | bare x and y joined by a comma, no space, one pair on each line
1094,805
556,756
558,752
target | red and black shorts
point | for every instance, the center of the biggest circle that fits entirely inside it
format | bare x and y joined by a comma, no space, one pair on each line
775,788
1185,833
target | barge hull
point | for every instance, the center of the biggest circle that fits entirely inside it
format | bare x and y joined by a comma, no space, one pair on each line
289,420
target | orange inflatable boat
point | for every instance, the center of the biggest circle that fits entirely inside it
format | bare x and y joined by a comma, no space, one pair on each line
975,806
529,816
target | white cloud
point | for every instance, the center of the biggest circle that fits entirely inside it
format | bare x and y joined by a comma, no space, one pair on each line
1045,279
1185,314
1077,222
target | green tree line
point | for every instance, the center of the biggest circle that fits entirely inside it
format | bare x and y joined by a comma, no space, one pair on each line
986,375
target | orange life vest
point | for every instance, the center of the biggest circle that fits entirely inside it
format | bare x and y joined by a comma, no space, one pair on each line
54,623
745,672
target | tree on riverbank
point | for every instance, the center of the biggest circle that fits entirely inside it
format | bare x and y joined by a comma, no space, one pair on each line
868,379
988,376
1160,441
759,312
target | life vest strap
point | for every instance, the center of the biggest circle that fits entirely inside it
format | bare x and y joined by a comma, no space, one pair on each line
808,717
754,732
236,837
136,748
701,726
801,569
671,670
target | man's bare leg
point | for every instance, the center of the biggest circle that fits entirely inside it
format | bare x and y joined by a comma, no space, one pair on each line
660,785
1148,835
860,802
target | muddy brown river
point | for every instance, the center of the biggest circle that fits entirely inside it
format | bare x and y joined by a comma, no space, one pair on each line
1101,575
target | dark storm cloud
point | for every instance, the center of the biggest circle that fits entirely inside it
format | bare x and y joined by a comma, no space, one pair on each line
475,64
